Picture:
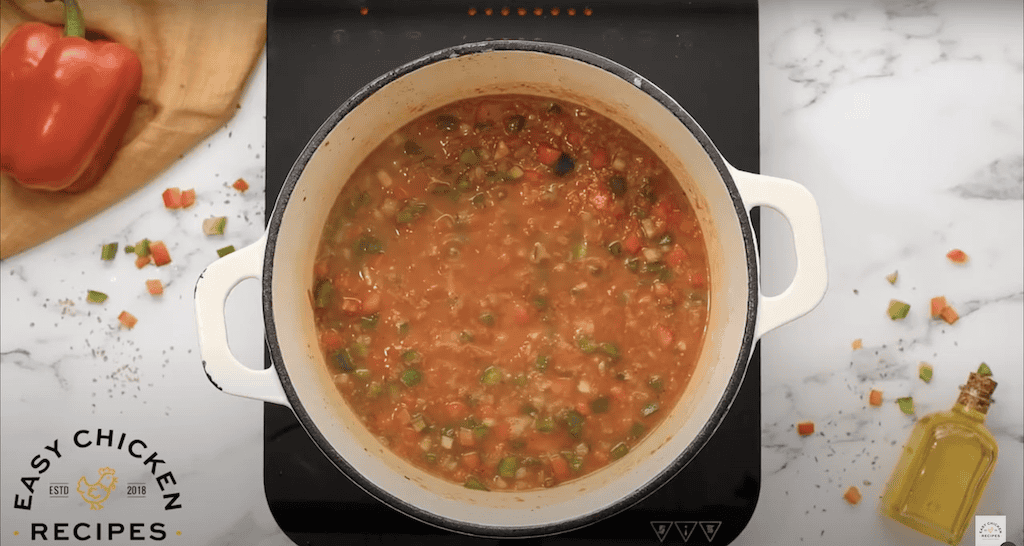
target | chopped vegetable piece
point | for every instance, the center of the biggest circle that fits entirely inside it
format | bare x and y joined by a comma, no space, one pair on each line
127,319
637,430
369,322
957,256
417,424
240,185
95,297
852,495
411,356
225,251
368,244
891,277
172,198
805,428
342,359
898,309
142,261
924,371
541,363
633,264
937,305
600,405
469,157
984,370
129,249
620,450
491,376
563,165
215,226
360,350
188,198
875,398
155,287
487,319
617,185
412,148
579,250
949,314
857,344
574,421
142,248
411,377
656,383
586,343
411,212
508,466
324,291
906,405
545,424
160,254
615,248
611,350
109,251
649,409
447,122
472,482
514,124
363,373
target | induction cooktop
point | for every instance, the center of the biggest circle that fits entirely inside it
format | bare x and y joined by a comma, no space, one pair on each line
703,54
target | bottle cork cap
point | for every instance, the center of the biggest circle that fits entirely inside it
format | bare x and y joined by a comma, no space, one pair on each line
977,393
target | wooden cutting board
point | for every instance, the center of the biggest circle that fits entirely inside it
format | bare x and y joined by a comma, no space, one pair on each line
196,60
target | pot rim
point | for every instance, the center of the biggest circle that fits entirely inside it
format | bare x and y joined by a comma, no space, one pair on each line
682,459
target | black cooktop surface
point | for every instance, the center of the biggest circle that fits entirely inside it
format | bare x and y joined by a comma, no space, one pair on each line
705,55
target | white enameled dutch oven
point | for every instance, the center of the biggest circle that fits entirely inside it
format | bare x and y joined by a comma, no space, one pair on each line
283,259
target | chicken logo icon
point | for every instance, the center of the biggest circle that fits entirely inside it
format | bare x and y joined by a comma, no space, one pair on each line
97,493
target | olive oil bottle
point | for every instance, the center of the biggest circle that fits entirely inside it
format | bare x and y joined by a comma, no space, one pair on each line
945,466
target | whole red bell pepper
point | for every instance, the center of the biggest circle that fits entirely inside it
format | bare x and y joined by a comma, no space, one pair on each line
65,103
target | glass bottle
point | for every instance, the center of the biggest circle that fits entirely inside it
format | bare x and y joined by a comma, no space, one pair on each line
945,466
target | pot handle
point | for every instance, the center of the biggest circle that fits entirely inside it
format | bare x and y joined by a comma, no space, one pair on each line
221,367
797,204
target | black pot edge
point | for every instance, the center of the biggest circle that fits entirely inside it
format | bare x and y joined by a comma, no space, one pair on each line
662,477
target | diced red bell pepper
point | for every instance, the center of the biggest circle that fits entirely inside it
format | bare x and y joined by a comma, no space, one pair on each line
155,287
520,315
188,198
957,256
172,198
127,319
949,314
697,279
676,256
240,185
599,158
575,138
531,176
466,437
547,155
805,428
371,303
852,495
632,243
142,261
938,304
560,468
160,254
331,340
875,398
471,460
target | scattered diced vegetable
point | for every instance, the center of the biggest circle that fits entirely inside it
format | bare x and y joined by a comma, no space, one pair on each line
324,291
805,428
413,210
368,244
472,482
563,165
579,250
172,198
412,357
949,314
957,256
891,277
924,371
127,319
240,185
109,251
636,430
586,343
142,248
574,421
363,373
487,319
617,185
984,370
541,363
649,409
411,377
611,350
615,248
937,305
369,322
898,309
342,359
508,466
155,287
491,376
906,405
95,297
447,122
852,495
215,226
545,424
142,261
514,124
129,249
875,398
620,450
469,157
547,155
160,254
857,344
221,252
188,198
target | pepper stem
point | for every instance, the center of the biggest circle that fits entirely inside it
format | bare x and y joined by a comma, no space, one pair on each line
74,23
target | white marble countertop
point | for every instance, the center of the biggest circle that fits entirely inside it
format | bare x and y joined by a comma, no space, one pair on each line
903,118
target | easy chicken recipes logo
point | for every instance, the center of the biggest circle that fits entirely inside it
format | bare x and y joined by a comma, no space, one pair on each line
43,491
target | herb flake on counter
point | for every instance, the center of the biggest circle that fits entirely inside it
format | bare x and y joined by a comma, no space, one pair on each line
924,371
898,309
221,252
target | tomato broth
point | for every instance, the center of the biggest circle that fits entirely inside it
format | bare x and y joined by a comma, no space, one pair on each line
511,292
